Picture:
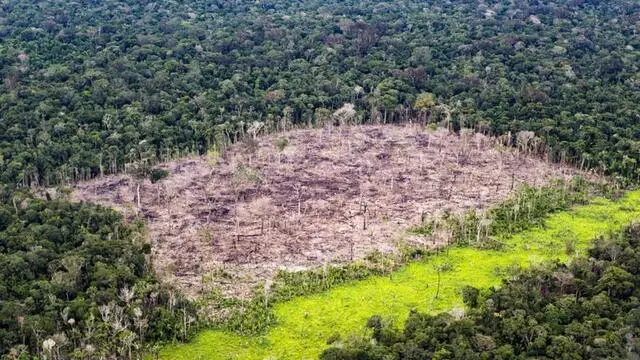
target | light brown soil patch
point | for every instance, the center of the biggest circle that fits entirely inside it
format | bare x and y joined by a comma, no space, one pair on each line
331,196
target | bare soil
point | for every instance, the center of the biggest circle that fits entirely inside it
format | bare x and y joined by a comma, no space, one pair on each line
328,196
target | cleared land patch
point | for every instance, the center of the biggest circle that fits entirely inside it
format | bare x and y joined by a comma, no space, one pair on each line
305,323
303,198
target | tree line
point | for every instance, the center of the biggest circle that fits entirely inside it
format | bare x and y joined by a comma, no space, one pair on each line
91,87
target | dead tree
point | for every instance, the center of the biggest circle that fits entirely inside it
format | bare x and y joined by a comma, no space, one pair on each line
298,189
364,216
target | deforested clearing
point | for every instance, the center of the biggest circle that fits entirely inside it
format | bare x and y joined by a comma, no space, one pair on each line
305,198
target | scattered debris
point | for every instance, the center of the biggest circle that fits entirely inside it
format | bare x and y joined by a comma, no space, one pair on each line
331,195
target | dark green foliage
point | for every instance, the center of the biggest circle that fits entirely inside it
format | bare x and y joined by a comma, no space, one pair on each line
585,310
77,275
156,175
91,87
470,296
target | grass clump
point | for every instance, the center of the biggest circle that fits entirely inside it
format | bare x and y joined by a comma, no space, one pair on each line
422,230
281,143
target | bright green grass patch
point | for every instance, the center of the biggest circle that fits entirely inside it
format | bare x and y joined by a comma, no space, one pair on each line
305,323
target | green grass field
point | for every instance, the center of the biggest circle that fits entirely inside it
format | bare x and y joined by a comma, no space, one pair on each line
305,323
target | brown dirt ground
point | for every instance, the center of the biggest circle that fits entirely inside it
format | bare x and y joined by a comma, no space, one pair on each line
239,217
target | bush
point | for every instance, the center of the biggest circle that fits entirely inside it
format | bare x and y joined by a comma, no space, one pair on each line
156,175
281,143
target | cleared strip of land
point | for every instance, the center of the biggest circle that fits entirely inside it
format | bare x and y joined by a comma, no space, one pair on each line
305,323
304,198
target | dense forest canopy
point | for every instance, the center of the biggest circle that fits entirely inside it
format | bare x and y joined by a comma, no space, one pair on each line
76,282
91,86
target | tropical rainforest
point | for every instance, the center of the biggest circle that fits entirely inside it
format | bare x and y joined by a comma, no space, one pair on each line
90,87
97,87
75,282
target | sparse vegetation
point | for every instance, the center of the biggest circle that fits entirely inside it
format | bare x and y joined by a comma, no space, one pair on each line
331,196
422,230
243,173
281,143
212,157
